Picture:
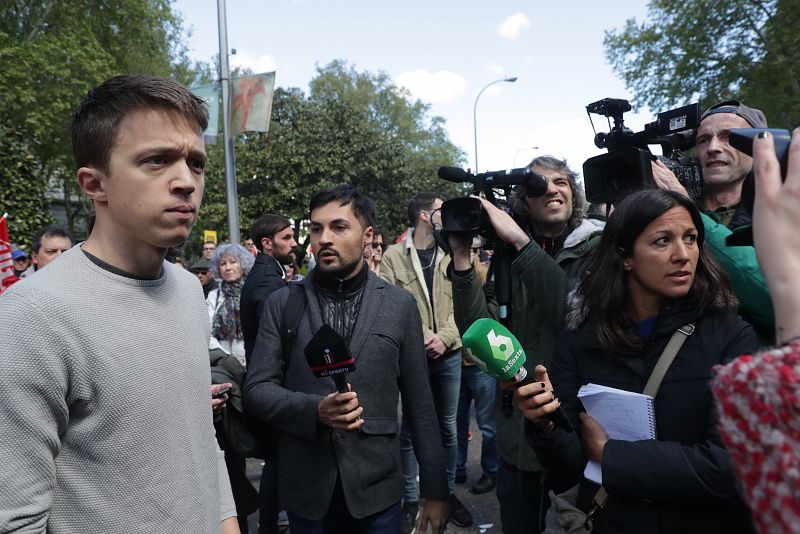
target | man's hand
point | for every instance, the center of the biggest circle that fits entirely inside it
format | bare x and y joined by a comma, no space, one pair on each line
666,179
593,436
507,229
218,404
434,347
776,219
340,411
460,246
435,512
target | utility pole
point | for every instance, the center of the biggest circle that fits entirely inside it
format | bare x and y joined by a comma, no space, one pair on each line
230,162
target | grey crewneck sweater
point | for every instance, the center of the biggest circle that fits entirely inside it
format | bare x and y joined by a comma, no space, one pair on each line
105,411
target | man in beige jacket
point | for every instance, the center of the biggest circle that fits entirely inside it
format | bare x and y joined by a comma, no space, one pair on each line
418,265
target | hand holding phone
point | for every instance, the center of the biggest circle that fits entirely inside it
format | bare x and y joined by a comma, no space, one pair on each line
219,396
220,393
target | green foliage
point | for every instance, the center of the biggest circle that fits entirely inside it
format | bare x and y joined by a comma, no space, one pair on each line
52,52
713,50
22,195
354,128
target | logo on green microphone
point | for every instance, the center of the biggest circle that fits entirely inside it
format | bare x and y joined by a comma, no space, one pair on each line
502,346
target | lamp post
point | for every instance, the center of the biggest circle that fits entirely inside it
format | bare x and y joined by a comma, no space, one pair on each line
523,149
475,114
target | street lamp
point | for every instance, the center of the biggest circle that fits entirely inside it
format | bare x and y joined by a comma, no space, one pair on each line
523,149
475,116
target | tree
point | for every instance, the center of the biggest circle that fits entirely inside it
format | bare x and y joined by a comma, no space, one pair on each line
353,127
713,50
52,52
21,194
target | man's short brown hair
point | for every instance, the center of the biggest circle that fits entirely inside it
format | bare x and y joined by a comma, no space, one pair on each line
95,122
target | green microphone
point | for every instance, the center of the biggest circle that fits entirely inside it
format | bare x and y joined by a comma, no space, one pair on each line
498,353
495,350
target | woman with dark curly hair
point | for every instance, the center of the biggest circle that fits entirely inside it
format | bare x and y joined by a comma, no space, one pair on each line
650,277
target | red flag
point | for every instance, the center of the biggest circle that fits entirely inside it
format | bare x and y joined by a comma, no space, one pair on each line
7,276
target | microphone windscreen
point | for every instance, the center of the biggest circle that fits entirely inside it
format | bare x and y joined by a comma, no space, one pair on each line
494,349
453,174
328,354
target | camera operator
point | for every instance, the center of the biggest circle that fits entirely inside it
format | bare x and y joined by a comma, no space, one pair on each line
724,170
553,242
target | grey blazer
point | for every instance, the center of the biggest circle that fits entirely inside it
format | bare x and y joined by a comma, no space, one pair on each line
390,359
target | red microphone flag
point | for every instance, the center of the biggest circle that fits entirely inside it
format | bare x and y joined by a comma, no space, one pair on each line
7,276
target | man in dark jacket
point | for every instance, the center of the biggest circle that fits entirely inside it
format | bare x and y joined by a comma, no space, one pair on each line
338,453
273,236
200,269
552,244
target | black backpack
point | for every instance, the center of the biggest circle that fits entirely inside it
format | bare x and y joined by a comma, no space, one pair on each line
240,434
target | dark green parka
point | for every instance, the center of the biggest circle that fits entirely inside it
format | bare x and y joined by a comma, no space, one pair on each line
539,287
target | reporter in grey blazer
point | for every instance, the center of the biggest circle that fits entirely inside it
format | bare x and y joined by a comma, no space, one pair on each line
338,453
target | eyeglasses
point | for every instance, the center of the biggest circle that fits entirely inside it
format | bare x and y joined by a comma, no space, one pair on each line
377,245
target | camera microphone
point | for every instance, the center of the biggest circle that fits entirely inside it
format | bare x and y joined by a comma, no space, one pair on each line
454,174
535,184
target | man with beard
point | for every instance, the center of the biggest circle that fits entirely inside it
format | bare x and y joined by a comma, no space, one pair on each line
273,237
552,243
338,453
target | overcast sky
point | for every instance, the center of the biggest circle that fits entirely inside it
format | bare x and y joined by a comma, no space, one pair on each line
444,53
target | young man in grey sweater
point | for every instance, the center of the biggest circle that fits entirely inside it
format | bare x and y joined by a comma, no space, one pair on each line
105,413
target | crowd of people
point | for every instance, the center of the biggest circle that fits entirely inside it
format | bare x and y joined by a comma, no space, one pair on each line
111,421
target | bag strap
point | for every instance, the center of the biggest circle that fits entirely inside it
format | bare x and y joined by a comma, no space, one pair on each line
290,321
651,388
663,363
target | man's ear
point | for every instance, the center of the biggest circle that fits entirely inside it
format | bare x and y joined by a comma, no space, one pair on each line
368,234
266,245
92,181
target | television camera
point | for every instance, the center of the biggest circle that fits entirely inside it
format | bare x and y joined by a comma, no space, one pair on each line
627,167
467,218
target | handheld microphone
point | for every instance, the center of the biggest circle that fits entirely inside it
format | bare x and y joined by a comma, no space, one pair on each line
329,356
495,350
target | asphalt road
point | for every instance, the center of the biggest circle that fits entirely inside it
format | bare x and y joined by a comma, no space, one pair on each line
485,509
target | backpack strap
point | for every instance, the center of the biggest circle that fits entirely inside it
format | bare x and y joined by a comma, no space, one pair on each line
290,321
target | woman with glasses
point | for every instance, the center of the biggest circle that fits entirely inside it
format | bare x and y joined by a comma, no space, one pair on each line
374,252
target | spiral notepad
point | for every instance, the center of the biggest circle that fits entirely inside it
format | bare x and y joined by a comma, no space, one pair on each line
624,415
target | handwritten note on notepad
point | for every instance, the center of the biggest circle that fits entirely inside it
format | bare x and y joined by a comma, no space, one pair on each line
623,415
